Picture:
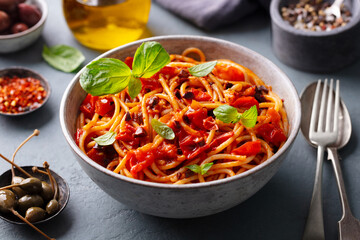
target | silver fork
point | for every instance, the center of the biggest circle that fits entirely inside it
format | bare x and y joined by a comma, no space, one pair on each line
314,228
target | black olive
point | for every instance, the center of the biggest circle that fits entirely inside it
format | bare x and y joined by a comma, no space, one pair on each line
29,201
189,95
140,132
127,116
47,192
177,124
177,94
31,185
35,214
52,207
183,74
228,85
7,200
153,101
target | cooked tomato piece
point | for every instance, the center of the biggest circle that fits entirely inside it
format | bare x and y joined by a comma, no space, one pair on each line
196,117
210,124
250,91
129,61
166,151
245,102
78,134
149,84
271,133
228,72
104,106
220,139
88,106
97,156
139,160
200,95
127,135
274,116
169,71
248,148
192,146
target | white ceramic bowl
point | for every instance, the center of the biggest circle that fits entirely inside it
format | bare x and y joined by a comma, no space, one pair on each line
15,42
191,200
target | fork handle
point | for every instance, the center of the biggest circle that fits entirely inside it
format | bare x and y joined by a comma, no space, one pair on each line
349,226
314,228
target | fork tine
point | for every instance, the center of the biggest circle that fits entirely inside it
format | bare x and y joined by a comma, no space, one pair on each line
329,106
322,108
315,107
337,103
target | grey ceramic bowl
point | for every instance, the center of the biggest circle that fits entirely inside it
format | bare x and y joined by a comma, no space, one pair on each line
191,200
315,51
15,42
22,72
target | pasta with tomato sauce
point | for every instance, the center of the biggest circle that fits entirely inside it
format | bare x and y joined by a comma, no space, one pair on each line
186,104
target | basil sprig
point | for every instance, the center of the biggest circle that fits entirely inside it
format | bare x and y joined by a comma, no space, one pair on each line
202,169
63,57
229,114
201,70
162,129
110,76
106,139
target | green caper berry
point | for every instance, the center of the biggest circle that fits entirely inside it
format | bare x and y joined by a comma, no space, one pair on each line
35,214
7,200
52,207
47,192
31,185
29,201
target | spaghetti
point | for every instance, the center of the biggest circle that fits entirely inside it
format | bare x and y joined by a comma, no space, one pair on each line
185,103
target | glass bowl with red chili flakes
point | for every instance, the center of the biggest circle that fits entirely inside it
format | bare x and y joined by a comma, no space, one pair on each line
22,91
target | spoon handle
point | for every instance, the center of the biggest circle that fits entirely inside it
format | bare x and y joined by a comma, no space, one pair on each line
314,228
349,226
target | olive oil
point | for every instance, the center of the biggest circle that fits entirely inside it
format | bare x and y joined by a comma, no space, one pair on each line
106,27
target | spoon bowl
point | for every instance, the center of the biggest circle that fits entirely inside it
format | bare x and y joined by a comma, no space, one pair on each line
64,192
306,99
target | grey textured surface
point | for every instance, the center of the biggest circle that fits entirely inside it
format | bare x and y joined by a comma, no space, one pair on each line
277,211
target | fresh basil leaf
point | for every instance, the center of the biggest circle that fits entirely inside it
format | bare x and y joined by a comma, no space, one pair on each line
206,167
249,117
105,76
203,69
106,139
149,58
203,169
63,58
227,114
134,87
195,168
162,129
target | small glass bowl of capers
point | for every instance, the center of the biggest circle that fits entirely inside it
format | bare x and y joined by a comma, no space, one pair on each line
34,196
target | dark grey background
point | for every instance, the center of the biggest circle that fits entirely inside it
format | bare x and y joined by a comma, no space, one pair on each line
278,211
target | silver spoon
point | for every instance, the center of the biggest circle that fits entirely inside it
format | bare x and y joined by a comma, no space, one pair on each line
349,226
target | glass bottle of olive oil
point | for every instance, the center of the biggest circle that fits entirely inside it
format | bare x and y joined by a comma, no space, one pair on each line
106,26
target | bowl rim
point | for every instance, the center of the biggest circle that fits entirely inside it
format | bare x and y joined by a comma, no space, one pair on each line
279,21
103,170
44,82
44,13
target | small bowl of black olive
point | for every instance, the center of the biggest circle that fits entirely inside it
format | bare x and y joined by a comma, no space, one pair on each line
31,195
21,23
306,36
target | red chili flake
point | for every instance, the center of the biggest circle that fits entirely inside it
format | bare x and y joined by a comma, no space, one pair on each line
20,94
